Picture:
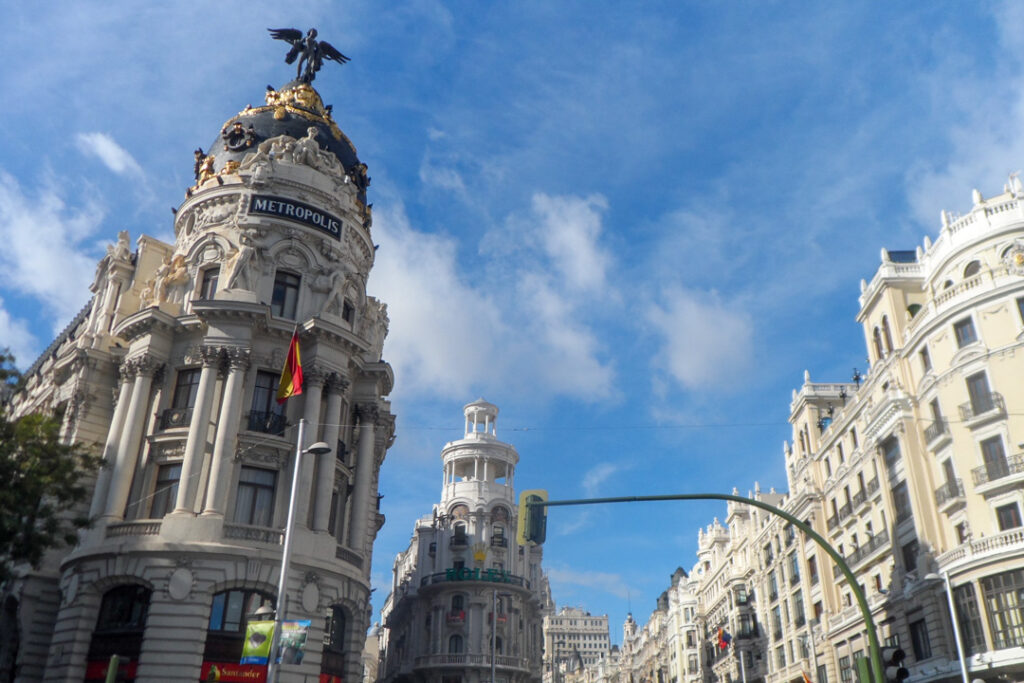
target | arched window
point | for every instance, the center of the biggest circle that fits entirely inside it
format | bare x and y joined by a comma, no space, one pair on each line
972,269
947,284
887,333
120,624
879,351
498,646
333,661
455,644
229,614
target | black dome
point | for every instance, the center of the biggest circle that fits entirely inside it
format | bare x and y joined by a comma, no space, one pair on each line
289,111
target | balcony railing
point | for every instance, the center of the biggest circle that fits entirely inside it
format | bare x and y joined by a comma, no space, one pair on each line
481,660
499,542
833,522
175,417
458,542
949,491
456,617
933,431
859,498
985,404
854,558
800,620
267,422
149,527
467,574
794,579
872,486
997,469
259,534
845,511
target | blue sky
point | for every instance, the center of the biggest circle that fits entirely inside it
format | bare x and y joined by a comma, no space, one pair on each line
630,225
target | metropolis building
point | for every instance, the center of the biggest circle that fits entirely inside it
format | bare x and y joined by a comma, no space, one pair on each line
913,471
171,372
466,600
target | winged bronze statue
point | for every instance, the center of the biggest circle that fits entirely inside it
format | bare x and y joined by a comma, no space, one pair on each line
309,51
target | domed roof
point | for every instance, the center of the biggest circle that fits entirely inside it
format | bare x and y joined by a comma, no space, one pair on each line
289,111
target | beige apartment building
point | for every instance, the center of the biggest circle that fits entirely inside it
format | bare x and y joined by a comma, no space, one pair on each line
573,639
913,471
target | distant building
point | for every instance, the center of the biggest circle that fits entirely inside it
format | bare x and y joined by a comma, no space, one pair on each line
573,639
171,372
913,470
465,598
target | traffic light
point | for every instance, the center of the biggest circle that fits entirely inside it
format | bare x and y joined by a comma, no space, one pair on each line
892,660
533,519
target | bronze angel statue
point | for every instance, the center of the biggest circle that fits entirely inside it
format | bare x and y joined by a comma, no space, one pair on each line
308,50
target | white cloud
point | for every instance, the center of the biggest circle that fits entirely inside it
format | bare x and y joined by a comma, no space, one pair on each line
114,156
441,338
598,475
443,177
706,343
43,242
570,229
15,335
614,584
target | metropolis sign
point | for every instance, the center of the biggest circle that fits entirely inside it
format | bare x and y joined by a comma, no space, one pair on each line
296,211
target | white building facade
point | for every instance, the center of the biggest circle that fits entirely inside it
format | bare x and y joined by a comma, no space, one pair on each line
466,599
171,372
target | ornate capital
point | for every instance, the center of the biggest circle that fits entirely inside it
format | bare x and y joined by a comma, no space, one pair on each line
144,364
238,358
314,375
210,355
367,412
335,383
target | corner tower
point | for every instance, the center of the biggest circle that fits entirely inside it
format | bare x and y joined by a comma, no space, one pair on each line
465,598
273,237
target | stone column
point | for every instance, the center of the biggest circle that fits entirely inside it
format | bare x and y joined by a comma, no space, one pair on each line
99,496
312,391
195,446
367,414
335,386
227,432
142,368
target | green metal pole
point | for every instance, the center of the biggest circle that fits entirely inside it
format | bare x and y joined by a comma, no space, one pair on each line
858,594
112,667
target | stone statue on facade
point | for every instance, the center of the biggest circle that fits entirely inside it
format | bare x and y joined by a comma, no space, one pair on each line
241,264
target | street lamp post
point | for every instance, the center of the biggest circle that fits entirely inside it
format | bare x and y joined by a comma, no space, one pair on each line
319,448
952,617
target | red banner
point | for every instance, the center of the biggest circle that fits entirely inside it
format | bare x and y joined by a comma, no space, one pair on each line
328,678
226,672
97,670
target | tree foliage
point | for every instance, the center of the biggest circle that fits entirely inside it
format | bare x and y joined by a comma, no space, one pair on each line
43,483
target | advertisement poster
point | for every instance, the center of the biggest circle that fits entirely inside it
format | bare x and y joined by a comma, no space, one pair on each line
293,640
258,637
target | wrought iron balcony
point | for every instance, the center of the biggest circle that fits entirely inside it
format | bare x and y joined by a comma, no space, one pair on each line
794,579
872,486
458,542
267,422
499,542
949,491
990,404
997,469
874,543
933,431
845,511
176,417
859,498
832,522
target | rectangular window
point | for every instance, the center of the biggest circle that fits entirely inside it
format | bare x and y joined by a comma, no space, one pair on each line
901,501
166,490
254,503
822,674
1004,602
853,437
1008,516
909,552
964,330
209,283
794,568
994,455
926,359
980,394
919,640
185,389
780,656
891,450
267,414
969,619
285,298
845,669
776,622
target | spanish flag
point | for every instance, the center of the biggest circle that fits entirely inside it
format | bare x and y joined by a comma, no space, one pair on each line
291,373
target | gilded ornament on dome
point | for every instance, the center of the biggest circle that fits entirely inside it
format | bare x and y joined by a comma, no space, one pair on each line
231,166
237,137
1014,257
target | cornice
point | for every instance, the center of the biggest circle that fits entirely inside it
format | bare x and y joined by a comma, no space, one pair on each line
147,321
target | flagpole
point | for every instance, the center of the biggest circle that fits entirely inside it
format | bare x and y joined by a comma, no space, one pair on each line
273,668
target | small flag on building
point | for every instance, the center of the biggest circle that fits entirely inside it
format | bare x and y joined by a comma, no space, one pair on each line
723,639
807,679
291,374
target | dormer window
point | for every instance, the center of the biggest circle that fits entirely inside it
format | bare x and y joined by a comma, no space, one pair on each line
972,269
